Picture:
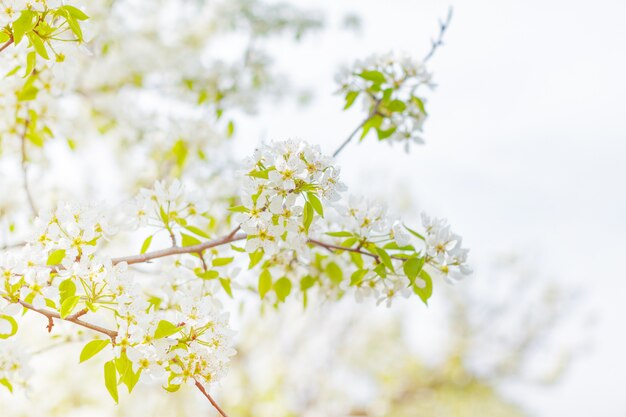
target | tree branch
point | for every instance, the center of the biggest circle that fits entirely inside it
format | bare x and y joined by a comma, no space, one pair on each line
6,44
436,43
211,400
359,127
177,250
72,319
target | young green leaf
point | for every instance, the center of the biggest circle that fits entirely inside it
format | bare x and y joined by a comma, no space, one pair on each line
282,288
255,258
350,98
92,348
146,244
316,203
425,289
307,217
68,305
189,240
265,283
13,325
226,285
165,329
334,272
222,261
31,60
25,23
55,257
110,379
374,76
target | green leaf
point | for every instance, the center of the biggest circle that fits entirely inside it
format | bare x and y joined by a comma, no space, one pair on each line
210,274
38,44
92,348
125,369
74,26
340,234
75,12
226,285
357,276
239,209
255,258
384,134
351,96
25,23
307,217
13,325
67,289
189,240
316,203
385,258
376,77
197,231
68,305
396,106
307,282
427,291
146,244
4,36
334,272
222,261
28,93
165,329
373,123
7,384
414,233
164,217
110,379
31,60
412,267
282,288
55,257
265,283
180,151
420,104
230,130
357,259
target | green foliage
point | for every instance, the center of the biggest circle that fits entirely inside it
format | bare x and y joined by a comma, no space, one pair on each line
92,348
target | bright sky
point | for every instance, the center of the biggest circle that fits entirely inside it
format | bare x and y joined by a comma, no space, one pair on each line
525,150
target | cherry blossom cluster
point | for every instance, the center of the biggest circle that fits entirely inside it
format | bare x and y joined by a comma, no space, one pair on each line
285,185
444,250
178,339
388,85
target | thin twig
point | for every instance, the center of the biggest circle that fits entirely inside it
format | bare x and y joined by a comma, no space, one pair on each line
211,400
12,245
29,195
54,315
359,127
177,250
436,43
6,44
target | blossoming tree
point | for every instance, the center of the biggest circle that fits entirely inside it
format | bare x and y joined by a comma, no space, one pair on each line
145,284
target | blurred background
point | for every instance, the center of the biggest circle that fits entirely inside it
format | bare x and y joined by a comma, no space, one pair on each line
524,155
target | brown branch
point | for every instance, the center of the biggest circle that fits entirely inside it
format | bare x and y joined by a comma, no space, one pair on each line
177,250
6,44
211,400
54,315
333,248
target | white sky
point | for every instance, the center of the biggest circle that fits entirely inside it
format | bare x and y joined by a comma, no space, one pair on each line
525,150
